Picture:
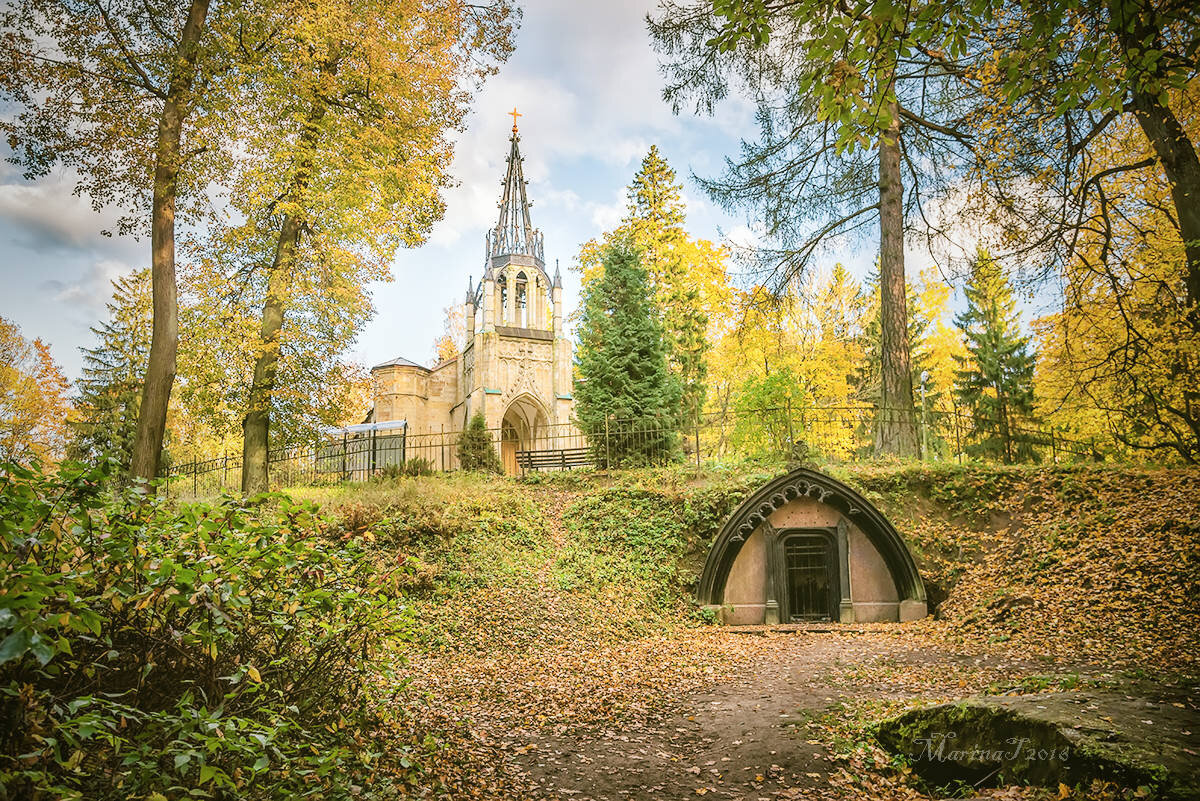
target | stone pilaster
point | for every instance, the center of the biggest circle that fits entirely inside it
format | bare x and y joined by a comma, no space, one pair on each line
489,309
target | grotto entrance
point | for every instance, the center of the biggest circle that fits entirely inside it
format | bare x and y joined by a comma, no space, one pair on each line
807,547
810,576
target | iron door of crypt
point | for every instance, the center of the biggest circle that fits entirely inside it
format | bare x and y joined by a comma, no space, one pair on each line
810,571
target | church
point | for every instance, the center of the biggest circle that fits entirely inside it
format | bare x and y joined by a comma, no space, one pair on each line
515,365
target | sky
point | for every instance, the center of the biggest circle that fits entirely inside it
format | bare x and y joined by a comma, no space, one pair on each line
585,80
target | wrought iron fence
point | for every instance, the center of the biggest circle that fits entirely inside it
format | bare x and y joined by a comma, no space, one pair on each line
833,433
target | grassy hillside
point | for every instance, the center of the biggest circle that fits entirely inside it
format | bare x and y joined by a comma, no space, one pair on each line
1083,563
418,635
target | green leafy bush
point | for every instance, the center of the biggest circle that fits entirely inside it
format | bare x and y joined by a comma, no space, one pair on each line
214,651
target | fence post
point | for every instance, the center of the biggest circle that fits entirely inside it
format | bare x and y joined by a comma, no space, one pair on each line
371,472
607,455
225,470
345,443
195,476
442,444
791,443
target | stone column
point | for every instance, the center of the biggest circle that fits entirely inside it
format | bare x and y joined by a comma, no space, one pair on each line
510,310
533,291
845,604
771,546
558,317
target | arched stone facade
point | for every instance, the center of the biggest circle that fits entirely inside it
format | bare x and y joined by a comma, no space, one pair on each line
807,546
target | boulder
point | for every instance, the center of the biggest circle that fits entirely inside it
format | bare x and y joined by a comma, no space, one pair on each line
1048,739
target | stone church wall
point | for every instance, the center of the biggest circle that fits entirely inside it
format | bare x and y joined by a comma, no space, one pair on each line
421,396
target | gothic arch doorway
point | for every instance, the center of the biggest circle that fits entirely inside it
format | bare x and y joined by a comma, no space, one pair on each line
523,426
808,547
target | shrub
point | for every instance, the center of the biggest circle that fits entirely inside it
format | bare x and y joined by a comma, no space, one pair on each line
475,449
222,650
417,466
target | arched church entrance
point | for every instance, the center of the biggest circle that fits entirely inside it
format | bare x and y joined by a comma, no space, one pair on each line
524,423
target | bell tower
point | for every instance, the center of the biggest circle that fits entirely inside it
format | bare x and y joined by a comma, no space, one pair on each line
516,366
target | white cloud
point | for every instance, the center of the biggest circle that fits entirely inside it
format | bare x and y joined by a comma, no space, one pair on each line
92,289
606,216
48,215
745,237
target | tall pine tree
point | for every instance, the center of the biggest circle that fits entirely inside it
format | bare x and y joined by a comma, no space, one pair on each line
654,224
996,382
626,398
110,387
868,380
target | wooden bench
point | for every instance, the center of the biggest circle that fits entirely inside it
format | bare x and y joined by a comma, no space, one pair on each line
560,459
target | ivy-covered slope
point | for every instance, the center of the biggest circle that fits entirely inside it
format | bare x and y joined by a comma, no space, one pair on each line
1083,563
1092,563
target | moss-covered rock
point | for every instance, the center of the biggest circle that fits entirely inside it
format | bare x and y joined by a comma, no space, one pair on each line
1051,739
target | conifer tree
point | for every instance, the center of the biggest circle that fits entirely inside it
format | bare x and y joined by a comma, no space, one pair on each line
996,382
110,384
475,449
654,224
626,398
867,379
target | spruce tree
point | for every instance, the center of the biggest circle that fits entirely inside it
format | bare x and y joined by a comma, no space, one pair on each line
654,223
626,398
996,382
475,449
110,386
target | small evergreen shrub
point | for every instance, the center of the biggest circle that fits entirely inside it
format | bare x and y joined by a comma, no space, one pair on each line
220,651
475,448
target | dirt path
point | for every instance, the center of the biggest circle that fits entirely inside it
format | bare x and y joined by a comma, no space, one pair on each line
746,738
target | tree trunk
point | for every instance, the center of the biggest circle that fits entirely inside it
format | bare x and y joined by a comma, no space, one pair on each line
1182,167
896,433
164,342
257,422
1137,29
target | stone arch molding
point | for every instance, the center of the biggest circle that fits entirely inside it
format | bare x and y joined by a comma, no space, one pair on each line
755,511
529,410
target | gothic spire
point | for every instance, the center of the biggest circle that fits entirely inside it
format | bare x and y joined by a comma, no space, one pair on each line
514,234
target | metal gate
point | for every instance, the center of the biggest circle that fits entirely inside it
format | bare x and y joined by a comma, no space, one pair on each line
810,578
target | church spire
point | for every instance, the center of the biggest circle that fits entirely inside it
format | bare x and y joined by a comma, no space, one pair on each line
514,233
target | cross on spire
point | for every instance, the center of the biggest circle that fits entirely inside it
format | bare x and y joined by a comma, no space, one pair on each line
515,114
